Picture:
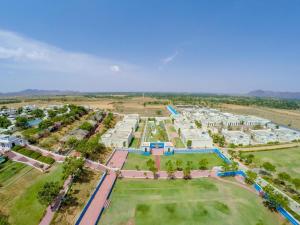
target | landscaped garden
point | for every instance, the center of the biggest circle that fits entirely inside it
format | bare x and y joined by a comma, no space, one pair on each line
138,161
156,131
203,201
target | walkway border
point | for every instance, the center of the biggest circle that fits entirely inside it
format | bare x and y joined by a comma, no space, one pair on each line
90,200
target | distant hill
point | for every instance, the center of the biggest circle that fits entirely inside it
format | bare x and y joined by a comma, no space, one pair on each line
275,94
36,92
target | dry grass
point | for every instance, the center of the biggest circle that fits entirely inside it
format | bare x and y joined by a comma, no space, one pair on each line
280,116
122,105
80,193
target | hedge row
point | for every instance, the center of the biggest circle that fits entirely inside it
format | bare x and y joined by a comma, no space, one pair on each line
34,155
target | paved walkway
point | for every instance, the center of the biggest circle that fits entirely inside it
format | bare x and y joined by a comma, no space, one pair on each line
157,162
56,204
97,204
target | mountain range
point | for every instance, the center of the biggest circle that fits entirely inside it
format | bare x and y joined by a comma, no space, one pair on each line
37,92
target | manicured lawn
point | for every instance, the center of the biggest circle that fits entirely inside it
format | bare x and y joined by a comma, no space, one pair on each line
285,160
8,170
19,199
193,202
134,160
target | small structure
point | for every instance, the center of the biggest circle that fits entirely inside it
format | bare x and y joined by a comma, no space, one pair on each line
8,142
263,136
236,137
164,147
198,137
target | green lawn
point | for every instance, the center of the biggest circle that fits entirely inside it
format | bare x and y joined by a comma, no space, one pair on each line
181,202
134,160
9,169
285,160
19,199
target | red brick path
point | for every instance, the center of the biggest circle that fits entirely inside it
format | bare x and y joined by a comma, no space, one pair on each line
96,206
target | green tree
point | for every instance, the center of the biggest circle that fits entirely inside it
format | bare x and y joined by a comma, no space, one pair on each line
250,177
38,113
274,199
284,176
48,192
187,172
21,122
4,122
74,167
203,164
179,164
86,126
296,182
269,166
198,124
52,113
189,143
72,142
45,124
170,169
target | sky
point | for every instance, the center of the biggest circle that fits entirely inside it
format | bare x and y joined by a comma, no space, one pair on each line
219,46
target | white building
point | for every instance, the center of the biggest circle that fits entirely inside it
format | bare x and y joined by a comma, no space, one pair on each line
263,136
286,134
236,137
199,138
7,142
121,135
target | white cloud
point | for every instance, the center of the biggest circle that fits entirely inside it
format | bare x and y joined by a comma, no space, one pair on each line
170,58
21,53
115,68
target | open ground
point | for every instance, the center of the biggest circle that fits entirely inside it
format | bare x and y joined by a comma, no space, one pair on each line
280,116
202,201
285,160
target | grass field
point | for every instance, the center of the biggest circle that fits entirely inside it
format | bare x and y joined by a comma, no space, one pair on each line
181,202
285,160
134,160
19,198
9,169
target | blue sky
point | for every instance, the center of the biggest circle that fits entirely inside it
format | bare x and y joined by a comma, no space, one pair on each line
133,45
